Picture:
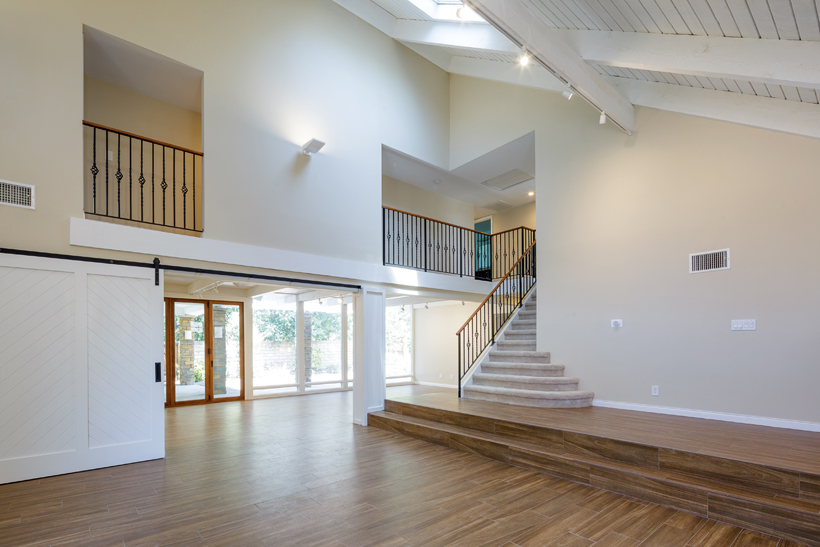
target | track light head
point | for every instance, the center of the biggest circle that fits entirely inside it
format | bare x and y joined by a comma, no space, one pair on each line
567,93
602,119
524,60
426,305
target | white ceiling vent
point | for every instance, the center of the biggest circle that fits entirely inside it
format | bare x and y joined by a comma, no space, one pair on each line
16,194
508,179
709,262
498,206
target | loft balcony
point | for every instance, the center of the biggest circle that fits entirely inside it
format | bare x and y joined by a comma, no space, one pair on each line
140,181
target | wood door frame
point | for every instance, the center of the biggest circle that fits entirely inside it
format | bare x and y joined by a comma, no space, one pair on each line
170,353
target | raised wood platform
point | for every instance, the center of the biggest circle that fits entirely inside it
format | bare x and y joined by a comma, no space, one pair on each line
760,478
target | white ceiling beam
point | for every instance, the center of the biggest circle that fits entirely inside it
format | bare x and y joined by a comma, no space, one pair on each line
523,27
437,33
533,76
782,62
795,118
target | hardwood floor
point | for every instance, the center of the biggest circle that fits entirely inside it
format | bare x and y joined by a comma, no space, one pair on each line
295,471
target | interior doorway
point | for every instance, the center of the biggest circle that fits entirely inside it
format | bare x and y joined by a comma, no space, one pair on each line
205,352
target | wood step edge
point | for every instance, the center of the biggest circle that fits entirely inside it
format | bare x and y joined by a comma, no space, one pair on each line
710,486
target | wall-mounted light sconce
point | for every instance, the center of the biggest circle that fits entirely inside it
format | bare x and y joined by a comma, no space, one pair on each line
312,146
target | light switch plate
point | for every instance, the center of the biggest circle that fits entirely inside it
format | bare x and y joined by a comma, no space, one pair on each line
744,324
656,391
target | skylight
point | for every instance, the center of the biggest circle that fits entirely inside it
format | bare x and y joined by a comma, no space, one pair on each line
447,10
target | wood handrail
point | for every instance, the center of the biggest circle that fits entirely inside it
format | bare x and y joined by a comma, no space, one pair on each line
140,137
503,279
455,225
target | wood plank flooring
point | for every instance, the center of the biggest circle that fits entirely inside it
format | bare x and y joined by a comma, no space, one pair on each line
296,472
782,448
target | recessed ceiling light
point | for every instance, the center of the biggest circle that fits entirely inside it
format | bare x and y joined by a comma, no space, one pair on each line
437,181
531,194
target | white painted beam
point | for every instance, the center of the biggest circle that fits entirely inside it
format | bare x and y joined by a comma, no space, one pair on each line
443,34
791,117
782,62
530,76
516,21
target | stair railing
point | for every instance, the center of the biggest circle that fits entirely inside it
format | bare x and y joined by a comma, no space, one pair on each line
480,330
422,243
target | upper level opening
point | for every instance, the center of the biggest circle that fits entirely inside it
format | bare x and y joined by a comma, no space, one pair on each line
142,134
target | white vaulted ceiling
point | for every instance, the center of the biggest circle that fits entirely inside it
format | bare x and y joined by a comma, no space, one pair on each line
751,62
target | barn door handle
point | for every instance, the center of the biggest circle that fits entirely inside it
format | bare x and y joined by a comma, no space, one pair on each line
157,372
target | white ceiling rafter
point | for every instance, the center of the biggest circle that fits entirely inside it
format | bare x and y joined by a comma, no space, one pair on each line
516,21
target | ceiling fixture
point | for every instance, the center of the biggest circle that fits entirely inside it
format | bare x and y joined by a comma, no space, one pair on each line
524,60
508,179
567,93
320,301
312,146
402,308
531,193
602,119
463,12
426,306
437,181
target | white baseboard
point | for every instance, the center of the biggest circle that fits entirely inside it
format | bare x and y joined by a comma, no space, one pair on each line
436,385
708,415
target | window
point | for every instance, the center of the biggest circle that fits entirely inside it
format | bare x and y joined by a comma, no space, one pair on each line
398,345
323,344
275,362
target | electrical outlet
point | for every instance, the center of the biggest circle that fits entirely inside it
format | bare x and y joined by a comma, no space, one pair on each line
451,376
110,155
441,375
656,391
744,324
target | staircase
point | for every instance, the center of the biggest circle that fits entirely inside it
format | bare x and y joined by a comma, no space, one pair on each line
513,372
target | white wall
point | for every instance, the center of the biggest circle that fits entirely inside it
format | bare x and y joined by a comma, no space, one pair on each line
412,199
617,219
277,73
523,215
435,344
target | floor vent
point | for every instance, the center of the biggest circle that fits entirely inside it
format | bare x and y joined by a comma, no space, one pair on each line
709,262
16,194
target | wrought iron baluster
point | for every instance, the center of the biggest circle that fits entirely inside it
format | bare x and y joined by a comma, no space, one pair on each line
174,180
142,182
184,193
94,171
130,178
164,186
119,174
106,174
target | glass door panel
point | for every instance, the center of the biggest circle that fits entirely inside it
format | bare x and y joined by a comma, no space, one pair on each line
323,344
189,352
227,350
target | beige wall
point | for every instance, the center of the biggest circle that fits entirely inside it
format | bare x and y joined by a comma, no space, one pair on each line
434,342
618,217
277,73
412,199
127,110
523,215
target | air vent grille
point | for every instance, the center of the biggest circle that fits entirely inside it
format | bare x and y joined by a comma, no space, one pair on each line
498,206
508,180
16,194
709,262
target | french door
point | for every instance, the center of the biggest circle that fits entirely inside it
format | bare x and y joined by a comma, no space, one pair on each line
204,351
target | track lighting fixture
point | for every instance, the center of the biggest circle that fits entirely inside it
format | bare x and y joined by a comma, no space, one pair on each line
462,303
524,60
426,306
320,301
567,93
402,307
463,11
602,119
531,194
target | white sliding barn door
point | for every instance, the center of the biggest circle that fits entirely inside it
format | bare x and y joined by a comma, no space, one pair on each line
78,347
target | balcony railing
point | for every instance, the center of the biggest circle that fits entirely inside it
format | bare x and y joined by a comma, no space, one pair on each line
142,180
421,243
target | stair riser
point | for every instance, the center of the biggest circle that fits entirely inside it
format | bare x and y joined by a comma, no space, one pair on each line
527,385
498,357
525,401
516,345
544,373
522,325
521,335
752,514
